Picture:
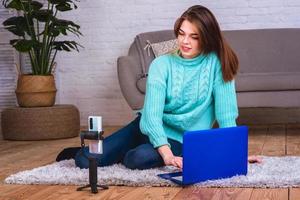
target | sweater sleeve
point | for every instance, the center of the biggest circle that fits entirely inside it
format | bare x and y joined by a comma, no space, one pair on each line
226,109
151,123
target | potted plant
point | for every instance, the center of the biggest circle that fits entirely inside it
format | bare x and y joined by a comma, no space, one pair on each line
38,27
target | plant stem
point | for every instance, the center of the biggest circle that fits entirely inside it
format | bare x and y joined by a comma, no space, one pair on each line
50,44
32,62
44,55
51,65
32,36
38,30
49,54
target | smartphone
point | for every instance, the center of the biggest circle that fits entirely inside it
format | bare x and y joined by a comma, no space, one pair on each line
95,124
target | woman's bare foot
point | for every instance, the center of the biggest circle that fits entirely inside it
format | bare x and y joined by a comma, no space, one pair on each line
254,159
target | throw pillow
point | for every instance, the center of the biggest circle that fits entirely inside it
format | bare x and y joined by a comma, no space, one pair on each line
164,47
159,48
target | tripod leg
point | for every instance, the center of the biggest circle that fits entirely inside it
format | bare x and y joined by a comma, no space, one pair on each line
93,175
94,189
93,178
83,187
103,186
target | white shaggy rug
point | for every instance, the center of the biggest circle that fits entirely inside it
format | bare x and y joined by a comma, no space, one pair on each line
273,172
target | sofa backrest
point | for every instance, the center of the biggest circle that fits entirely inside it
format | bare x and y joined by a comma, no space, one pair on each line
269,61
266,50
264,54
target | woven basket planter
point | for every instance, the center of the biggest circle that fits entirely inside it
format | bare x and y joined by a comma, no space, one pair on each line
36,91
40,123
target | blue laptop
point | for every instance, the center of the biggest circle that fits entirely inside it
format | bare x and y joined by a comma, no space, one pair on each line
212,154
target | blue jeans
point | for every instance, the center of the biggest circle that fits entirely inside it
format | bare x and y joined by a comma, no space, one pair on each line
129,146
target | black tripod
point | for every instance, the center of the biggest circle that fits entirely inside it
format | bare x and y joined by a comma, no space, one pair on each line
93,177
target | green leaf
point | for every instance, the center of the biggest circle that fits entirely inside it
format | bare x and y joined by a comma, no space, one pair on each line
52,32
14,4
23,5
71,44
62,22
66,48
57,45
57,1
63,31
63,26
63,2
22,45
35,5
12,42
14,21
74,31
16,25
43,15
65,45
16,31
63,7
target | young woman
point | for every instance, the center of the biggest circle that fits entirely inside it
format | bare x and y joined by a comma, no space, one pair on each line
189,89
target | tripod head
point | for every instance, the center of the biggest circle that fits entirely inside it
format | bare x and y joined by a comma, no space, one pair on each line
95,144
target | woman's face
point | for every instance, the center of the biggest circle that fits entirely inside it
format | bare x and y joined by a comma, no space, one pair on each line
188,40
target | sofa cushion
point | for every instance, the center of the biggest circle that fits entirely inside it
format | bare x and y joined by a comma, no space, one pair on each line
153,37
275,81
161,48
283,98
266,50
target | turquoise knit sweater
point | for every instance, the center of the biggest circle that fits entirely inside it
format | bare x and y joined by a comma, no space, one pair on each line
186,94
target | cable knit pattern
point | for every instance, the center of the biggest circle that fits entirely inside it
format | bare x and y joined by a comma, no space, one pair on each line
186,94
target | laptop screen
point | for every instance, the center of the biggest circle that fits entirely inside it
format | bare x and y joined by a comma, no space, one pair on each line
215,153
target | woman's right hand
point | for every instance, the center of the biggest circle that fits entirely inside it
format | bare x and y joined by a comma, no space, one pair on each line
168,157
175,161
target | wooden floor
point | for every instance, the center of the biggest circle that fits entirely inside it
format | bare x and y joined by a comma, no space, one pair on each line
273,140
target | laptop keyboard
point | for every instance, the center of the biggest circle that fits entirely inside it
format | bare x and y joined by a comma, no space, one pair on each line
178,178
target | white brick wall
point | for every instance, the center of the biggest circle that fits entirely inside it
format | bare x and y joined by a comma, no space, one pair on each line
89,79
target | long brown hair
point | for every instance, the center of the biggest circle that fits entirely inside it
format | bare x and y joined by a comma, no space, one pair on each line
211,38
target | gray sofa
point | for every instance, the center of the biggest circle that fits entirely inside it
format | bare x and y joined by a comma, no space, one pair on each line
269,75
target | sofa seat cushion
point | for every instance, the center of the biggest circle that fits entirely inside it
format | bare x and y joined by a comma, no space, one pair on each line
275,81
